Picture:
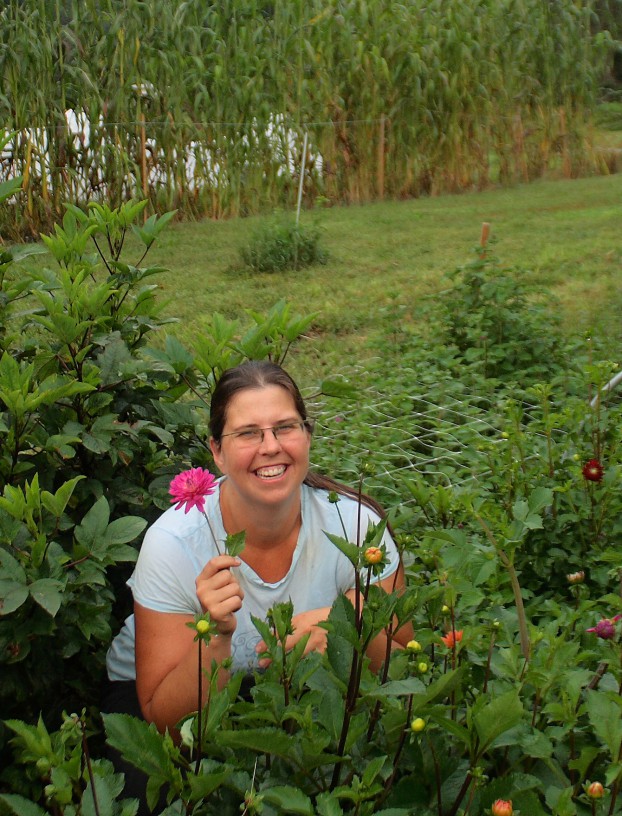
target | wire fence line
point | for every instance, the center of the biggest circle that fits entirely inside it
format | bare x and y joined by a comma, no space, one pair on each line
445,432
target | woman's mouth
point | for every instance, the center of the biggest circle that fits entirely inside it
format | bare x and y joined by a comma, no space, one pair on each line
271,472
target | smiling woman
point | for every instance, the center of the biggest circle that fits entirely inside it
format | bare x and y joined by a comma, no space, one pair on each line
260,439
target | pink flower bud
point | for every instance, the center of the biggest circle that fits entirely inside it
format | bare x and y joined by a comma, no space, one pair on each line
576,577
605,628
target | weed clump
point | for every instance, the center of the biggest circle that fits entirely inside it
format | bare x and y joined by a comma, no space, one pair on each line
282,245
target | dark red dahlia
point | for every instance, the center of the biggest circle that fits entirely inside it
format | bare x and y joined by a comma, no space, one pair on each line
593,471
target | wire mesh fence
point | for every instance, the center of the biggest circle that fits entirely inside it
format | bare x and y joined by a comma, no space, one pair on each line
446,431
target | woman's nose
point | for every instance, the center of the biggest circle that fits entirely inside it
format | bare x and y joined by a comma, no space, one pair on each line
269,441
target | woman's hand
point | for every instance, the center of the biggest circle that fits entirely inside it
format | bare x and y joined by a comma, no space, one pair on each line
304,623
219,592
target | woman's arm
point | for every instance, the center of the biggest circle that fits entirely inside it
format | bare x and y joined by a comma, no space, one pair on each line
167,665
167,660
307,623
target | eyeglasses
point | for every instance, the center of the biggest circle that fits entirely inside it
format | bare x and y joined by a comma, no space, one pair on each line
253,437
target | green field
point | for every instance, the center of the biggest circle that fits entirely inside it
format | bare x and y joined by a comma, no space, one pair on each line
565,234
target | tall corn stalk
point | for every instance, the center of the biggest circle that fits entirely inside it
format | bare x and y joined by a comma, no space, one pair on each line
204,107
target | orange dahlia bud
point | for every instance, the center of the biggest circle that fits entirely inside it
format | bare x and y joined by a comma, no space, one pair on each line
595,790
373,555
502,807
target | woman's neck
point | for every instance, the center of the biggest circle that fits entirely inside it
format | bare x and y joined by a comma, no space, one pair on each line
266,527
271,533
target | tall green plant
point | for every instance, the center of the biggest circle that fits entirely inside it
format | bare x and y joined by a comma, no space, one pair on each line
94,421
204,108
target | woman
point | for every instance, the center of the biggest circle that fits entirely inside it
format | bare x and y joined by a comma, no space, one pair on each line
260,440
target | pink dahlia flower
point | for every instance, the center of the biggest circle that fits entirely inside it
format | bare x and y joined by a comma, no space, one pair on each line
190,488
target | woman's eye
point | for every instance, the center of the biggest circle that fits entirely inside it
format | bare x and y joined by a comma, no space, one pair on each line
247,435
285,429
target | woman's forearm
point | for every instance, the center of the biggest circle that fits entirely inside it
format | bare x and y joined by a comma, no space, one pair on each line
177,694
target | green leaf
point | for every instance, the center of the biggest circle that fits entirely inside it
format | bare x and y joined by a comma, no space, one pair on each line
540,498
57,502
338,388
288,800
605,713
48,593
124,530
105,799
351,551
10,187
11,568
458,731
327,805
372,770
94,524
264,740
12,596
141,745
20,806
234,544
206,783
496,717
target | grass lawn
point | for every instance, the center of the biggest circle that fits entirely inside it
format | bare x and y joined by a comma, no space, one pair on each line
565,234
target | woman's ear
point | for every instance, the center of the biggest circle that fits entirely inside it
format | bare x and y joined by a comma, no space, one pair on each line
216,450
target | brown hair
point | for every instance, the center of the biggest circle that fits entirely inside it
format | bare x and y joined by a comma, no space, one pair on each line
259,374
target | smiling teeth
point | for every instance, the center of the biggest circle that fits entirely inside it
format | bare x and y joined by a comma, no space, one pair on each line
268,472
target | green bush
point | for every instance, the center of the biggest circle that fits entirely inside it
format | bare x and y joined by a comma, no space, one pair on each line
500,324
282,245
94,423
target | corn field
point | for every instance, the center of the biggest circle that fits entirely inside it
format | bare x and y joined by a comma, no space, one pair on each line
204,106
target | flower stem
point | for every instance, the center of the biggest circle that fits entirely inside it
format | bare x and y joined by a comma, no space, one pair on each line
199,710
212,532
518,598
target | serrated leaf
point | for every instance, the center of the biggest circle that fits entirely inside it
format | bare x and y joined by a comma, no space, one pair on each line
498,716
351,551
234,544
140,744
206,783
605,714
265,740
21,806
288,800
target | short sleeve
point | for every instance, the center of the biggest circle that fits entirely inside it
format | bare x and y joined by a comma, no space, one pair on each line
165,574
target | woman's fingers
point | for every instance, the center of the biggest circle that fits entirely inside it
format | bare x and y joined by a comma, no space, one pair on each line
219,592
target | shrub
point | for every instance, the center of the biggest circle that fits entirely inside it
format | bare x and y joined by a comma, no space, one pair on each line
94,421
282,245
499,323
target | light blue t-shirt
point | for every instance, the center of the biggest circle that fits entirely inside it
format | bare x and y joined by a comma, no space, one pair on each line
178,545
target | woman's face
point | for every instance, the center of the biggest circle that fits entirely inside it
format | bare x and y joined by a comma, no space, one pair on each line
267,472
